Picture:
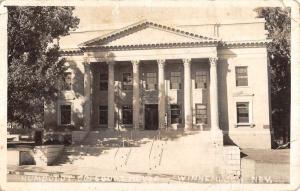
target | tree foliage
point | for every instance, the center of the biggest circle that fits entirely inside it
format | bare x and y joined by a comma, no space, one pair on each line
34,64
278,24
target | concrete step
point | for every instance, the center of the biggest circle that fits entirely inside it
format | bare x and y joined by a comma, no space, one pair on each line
115,138
177,153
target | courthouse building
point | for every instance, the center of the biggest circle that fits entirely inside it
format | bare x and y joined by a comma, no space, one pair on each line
150,75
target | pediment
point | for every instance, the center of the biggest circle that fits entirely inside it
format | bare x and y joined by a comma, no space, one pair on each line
146,33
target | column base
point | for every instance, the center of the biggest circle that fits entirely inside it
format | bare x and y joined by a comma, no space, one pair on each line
217,137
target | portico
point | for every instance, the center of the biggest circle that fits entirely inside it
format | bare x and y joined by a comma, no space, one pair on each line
137,88
123,50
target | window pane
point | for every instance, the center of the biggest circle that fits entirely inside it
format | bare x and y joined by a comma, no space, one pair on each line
67,81
151,81
65,114
103,82
127,114
201,113
175,114
104,76
103,114
175,80
201,79
241,76
127,81
243,112
103,85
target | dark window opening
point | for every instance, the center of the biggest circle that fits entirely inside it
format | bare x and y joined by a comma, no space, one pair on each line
127,81
175,114
67,82
127,114
103,115
103,82
65,114
201,113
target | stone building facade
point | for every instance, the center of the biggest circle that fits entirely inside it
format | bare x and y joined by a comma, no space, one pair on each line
151,76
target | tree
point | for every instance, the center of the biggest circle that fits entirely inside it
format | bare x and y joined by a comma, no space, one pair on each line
34,63
278,24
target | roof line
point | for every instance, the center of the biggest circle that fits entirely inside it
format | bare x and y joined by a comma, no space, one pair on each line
148,24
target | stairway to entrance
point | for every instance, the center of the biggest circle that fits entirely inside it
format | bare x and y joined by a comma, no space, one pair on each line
189,153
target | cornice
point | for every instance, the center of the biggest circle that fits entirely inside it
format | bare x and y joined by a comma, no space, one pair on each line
142,25
209,43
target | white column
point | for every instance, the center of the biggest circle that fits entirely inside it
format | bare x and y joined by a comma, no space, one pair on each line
188,118
214,108
87,94
161,94
111,95
136,93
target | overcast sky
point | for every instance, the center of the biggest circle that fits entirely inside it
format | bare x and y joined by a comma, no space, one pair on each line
93,17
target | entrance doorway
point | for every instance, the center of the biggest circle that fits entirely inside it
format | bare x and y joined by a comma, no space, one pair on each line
151,117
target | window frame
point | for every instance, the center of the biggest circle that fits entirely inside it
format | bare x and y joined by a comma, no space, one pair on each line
180,113
63,82
250,112
127,85
127,109
59,121
99,112
206,113
201,75
178,77
238,76
101,81
155,84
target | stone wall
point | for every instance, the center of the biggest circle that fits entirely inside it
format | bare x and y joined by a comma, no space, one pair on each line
232,163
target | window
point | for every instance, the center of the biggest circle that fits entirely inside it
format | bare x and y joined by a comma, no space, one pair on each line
127,114
127,81
175,114
175,80
67,82
242,109
201,113
241,76
151,81
65,114
103,83
103,115
201,79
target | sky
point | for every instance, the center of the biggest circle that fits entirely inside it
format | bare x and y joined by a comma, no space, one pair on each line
107,16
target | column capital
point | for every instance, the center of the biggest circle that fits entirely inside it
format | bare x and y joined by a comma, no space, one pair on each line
86,65
187,62
161,63
86,59
213,61
135,63
110,62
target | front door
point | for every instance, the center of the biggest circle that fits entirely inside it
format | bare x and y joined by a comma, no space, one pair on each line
151,117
